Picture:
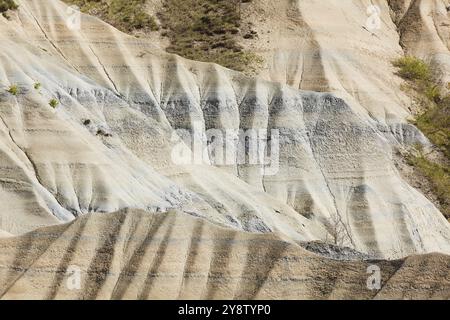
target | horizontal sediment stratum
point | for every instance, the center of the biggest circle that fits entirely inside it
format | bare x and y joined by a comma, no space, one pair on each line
91,174
136,255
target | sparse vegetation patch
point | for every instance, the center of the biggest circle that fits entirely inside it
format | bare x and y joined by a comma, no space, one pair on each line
434,122
434,119
438,175
207,30
125,15
412,68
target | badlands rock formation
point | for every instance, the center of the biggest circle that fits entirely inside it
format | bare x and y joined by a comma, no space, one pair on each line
345,48
126,107
137,255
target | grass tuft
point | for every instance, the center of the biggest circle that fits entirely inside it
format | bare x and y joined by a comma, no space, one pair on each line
53,103
412,68
14,89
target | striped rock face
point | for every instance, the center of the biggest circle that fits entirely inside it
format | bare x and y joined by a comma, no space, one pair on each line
137,255
170,178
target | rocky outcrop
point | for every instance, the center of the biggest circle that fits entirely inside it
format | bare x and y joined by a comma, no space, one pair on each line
123,105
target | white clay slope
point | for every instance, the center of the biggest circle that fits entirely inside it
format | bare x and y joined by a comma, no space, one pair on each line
335,161
345,47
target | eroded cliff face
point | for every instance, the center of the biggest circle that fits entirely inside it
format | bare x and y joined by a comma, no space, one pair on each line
139,255
110,143
347,47
425,32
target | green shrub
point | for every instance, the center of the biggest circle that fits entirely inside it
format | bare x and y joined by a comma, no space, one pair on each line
412,68
37,86
6,5
434,121
53,103
13,89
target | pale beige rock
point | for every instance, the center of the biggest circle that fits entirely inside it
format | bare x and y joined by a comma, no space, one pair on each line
4,234
336,168
330,46
137,255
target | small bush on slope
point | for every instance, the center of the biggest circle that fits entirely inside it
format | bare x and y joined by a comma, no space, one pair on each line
6,5
53,103
412,68
13,89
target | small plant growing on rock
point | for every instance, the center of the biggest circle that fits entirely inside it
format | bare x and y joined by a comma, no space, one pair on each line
53,103
6,5
13,89
413,68
37,86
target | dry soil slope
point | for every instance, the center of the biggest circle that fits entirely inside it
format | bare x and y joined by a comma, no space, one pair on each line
335,163
136,255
